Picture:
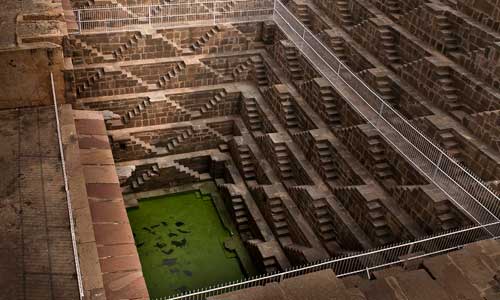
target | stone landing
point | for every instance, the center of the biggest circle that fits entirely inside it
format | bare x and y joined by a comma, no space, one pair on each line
111,268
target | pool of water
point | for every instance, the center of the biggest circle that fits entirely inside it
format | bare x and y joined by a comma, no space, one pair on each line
181,243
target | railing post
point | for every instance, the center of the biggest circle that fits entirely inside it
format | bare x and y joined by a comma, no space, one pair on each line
410,250
214,11
381,111
79,21
437,166
149,14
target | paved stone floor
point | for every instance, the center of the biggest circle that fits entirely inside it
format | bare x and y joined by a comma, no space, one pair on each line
8,15
36,255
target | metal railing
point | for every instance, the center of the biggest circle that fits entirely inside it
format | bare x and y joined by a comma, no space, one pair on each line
66,189
463,187
358,263
202,12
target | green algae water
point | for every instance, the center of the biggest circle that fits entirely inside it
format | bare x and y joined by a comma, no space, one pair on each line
183,245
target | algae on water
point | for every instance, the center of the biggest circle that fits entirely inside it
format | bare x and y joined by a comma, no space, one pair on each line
180,240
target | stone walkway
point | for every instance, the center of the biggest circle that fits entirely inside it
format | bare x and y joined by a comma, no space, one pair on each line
8,15
36,254
103,216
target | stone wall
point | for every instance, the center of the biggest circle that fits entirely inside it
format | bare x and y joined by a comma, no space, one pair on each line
430,208
149,44
456,91
486,12
485,125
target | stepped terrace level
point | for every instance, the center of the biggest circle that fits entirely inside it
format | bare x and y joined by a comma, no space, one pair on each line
358,138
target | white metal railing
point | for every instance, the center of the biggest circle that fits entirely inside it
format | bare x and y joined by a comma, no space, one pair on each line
202,12
462,186
357,263
66,189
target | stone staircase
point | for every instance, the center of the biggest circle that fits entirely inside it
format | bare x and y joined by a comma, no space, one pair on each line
325,221
172,74
100,74
332,113
131,43
260,71
412,65
155,10
394,8
141,176
382,170
372,216
389,47
252,113
345,15
98,56
278,217
338,48
216,133
450,92
148,147
179,139
247,166
442,209
214,102
89,82
176,141
154,35
227,8
302,13
137,110
293,64
197,46
188,171
115,3
287,109
447,218
241,71
212,70
239,210
450,42
376,216
269,262
450,143
144,174
318,209
283,161
240,213
385,91
290,116
326,227
328,171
